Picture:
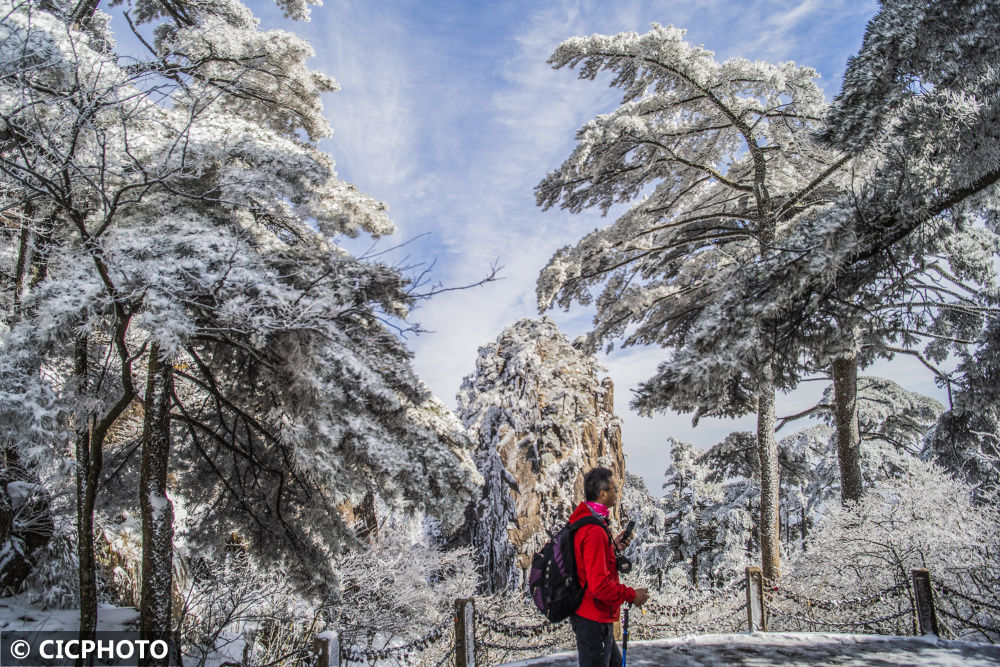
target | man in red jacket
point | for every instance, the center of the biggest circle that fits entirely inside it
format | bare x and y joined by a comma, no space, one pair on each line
596,567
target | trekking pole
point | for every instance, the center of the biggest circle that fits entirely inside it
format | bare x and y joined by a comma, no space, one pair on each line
625,636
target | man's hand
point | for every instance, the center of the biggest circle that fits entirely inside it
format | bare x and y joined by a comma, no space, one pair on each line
641,597
621,543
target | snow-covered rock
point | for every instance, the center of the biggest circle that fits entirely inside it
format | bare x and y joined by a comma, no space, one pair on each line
541,417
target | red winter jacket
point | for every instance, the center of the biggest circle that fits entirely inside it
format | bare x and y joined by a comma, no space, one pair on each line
603,594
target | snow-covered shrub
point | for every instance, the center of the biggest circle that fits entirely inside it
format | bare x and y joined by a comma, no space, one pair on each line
237,611
927,519
397,589
924,520
54,583
26,522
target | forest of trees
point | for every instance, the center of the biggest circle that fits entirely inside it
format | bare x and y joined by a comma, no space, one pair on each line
208,411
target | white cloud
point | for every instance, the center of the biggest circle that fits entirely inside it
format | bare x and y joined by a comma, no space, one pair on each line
373,114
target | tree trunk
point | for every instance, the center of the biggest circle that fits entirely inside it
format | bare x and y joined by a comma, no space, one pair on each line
31,266
88,471
845,413
157,510
694,564
787,532
20,268
767,451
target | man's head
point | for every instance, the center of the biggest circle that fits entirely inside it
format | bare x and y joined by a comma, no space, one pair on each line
599,487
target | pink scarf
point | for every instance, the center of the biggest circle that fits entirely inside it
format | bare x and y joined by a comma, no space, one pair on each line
599,508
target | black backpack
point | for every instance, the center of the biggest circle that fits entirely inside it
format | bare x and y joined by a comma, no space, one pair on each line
553,583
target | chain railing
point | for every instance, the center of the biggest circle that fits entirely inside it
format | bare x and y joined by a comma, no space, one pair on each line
444,659
402,652
712,611
838,604
754,602
811,621
502,640
702,600
886,611
513,630
643,627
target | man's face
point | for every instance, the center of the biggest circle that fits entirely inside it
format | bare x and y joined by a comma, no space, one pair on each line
608,495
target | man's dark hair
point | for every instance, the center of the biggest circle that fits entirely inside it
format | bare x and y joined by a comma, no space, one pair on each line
595,481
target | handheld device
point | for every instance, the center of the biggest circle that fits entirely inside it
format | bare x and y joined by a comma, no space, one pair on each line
623,563
629,529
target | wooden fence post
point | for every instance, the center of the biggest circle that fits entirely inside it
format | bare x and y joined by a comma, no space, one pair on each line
756,612
465,632
327,645
924,598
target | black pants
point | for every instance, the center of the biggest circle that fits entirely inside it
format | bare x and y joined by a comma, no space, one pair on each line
595,643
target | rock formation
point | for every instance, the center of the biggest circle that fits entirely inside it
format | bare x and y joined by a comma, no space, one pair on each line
540,417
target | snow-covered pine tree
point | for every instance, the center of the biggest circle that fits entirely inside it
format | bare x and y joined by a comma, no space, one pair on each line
923,519
927,306
918,105
966,438
842,304
892,425
690,492
723,156
651,549
158,218
920,97
540,417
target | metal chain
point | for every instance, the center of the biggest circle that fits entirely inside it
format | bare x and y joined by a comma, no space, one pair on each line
686,609
854,624
511,630
421,643
533,647
862,601
687,627
451,651
736,611
679,609
684,627
968,623
947,590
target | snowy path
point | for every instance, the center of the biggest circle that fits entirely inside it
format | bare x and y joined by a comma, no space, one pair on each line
796,649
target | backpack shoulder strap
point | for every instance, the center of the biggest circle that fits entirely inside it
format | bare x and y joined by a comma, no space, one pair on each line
586,521
592,520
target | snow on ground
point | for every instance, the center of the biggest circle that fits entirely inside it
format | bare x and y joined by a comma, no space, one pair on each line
797,650
17,613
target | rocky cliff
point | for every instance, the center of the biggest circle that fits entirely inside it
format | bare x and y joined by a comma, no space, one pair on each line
540,417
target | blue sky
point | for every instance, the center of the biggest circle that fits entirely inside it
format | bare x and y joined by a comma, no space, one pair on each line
449,113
